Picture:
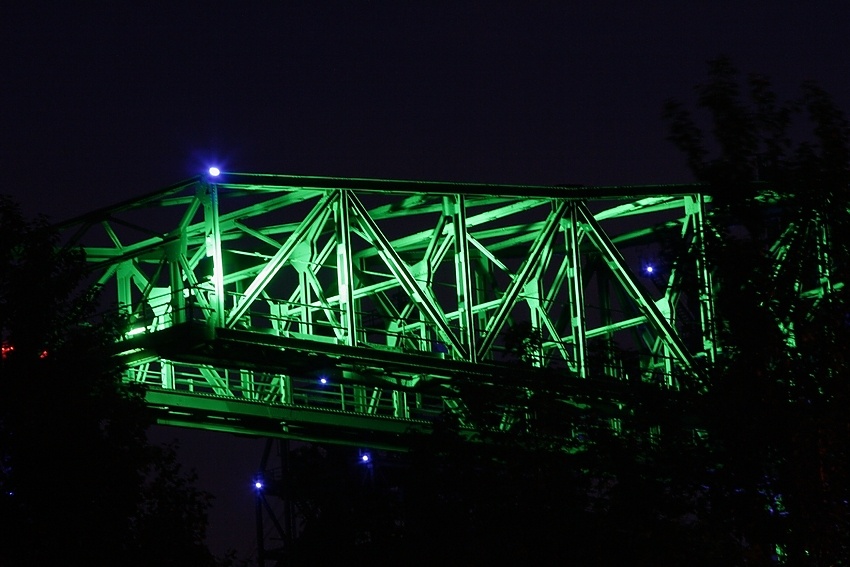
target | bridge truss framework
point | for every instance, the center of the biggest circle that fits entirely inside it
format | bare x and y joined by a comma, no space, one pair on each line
345,310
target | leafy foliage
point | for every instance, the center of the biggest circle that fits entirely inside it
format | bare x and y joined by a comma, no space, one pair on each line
80,482
779,244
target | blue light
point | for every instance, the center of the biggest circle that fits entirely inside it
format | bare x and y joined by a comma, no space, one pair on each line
650,269
365,457
258,484
214,171
323,380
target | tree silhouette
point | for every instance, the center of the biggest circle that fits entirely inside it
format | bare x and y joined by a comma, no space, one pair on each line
779,244
79,482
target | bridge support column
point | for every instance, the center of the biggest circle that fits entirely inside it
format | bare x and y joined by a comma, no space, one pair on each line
208,194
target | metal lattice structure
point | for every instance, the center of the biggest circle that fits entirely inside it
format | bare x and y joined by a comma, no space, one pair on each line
344,310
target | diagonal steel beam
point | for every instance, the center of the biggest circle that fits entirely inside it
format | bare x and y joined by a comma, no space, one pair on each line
400,270
320,211
628,281
543,240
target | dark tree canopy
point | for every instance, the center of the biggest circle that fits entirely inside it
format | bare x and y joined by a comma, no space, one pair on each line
80,482
779,173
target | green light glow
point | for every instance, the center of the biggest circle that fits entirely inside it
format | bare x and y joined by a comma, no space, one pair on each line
396,288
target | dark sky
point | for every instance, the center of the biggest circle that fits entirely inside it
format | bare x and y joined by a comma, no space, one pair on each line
104,102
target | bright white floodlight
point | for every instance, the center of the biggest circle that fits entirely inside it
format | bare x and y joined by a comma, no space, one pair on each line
215,172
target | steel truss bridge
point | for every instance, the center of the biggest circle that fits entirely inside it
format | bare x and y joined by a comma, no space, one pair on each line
346,310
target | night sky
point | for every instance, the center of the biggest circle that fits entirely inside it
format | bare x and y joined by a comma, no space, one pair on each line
102,103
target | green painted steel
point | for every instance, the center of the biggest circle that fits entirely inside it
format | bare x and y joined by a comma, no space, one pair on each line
345,310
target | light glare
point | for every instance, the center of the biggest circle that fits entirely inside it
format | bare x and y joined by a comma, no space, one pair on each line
215,172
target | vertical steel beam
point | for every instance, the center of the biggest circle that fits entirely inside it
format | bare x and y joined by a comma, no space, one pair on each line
344,269
175,277
695,208
124,278
400,409
534,297
575,287
463,273
208,194
247,384
305,298
168,379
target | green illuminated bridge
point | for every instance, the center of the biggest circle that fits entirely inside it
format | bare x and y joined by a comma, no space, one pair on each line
347,310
